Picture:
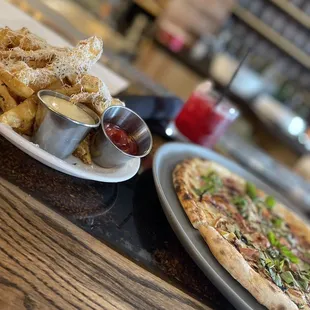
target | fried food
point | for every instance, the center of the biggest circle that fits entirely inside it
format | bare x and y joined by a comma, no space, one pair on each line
69,90
19,54
13,66
35,79
23,38
29,64
56,85
21,118
117,102
44,62
91,100
78,60
4,38
83,151
9,38
93,93
40,113
90,84
15,85
31,42
7,102
36,64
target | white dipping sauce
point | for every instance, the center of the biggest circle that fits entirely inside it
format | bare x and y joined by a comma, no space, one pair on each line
68,109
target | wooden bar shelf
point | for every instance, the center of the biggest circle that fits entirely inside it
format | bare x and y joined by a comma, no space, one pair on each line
271,35
293,11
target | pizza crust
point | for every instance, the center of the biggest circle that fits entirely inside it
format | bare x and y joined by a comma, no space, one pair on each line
181,181
266,293
204,216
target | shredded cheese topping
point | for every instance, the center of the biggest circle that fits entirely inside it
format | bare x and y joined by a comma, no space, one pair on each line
34,62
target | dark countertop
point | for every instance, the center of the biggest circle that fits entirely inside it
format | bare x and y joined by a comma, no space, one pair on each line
126,216
47,262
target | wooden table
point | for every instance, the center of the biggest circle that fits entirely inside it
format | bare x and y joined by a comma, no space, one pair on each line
46,262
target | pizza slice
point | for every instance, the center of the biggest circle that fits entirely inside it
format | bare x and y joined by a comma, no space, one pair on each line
262,244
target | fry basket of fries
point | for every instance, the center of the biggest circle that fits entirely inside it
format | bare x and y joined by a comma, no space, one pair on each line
29,64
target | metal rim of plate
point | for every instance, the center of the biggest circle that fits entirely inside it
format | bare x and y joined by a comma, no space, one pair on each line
165,160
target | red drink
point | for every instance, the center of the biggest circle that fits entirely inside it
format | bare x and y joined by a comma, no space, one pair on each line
202,121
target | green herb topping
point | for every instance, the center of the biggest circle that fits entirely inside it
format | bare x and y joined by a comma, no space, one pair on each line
277,222
270,202
251,190
282,248
212,184
242,205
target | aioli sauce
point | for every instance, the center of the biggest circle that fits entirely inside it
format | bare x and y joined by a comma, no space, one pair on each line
68,109
121,139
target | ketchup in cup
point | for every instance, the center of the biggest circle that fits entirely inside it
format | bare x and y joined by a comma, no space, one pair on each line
121,139
202,120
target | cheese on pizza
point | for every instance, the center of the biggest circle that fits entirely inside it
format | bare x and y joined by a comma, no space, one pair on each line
249,232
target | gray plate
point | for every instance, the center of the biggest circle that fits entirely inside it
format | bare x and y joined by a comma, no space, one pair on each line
165,160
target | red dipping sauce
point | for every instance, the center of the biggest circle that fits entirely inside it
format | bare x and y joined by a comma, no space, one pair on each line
121,139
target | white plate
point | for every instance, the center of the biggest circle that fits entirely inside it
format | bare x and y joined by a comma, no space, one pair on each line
14,18
72,165
165,160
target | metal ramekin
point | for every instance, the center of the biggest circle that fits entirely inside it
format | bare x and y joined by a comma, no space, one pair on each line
58,134
105,153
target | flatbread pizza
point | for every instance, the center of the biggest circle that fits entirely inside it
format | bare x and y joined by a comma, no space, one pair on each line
261,243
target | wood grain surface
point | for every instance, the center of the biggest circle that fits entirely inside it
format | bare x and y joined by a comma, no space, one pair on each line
46,262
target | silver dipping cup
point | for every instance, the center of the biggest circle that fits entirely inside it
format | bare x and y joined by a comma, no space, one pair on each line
105,153
58,134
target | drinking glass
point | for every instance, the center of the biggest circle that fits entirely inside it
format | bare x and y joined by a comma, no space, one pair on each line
202,120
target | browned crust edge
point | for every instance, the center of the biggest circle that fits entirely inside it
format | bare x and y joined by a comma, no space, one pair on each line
297,225
266,293
180,181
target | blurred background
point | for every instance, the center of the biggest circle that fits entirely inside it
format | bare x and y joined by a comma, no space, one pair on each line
176,44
